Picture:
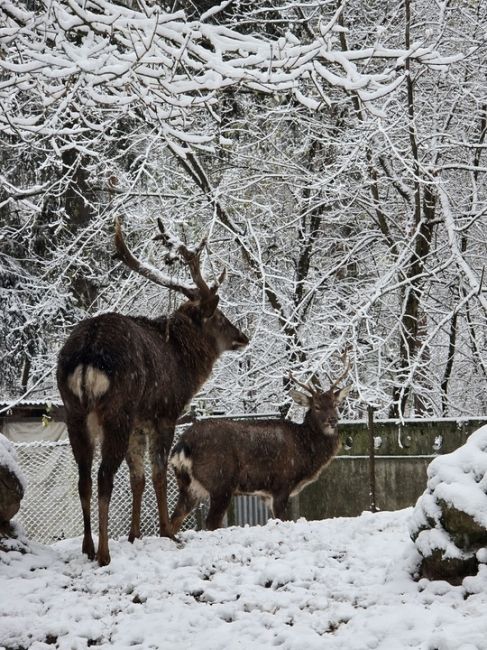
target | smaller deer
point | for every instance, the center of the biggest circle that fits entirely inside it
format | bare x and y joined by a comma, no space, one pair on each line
274,459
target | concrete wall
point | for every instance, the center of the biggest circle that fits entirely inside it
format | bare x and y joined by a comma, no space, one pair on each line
402,456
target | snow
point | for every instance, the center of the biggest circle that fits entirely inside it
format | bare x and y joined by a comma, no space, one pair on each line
333,584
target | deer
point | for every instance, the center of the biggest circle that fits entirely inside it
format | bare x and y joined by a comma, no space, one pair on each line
125,380
271,458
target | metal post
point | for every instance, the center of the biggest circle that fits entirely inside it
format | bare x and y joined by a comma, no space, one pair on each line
370,426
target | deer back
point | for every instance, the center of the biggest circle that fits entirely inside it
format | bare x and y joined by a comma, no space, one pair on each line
255,455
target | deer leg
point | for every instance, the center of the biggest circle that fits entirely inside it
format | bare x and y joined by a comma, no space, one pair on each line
186,502
160,444
114,448
279,505
82,447
219,503
135,461
85,491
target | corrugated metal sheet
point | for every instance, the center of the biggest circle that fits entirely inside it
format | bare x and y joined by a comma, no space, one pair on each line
250,510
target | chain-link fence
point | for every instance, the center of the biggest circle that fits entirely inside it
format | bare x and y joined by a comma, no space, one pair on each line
51,508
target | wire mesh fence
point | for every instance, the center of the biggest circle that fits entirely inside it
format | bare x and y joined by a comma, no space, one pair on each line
51,510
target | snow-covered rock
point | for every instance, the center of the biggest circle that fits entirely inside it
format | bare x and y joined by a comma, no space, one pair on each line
449,521
12,488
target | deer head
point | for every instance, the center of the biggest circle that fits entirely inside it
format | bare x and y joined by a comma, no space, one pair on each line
323,405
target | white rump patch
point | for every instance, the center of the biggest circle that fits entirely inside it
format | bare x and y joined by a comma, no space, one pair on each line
74,381
181,462
96,382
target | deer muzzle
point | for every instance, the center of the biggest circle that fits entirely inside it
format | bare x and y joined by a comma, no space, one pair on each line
240,342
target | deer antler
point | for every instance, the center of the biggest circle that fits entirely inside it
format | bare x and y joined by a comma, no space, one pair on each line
346,362
190,257
146,270
315,380
314,385
307,386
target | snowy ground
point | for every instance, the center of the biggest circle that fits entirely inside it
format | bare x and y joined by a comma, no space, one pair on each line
340,583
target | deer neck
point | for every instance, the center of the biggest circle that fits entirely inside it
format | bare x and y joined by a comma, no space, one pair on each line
195,349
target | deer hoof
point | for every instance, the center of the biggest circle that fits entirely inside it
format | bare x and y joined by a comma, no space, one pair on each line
88,549
103,559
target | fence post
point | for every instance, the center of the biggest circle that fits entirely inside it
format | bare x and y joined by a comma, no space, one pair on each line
370,427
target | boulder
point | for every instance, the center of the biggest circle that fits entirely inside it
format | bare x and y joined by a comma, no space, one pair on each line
436,566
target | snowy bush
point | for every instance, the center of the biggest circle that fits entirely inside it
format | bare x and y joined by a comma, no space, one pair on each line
449,521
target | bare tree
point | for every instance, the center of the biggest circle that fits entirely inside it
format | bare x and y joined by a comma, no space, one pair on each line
326,149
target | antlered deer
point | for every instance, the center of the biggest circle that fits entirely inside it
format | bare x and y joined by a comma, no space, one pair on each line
124,379
274,459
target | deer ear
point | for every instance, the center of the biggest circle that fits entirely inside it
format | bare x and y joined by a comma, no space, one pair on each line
208,305
300,398
341,394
